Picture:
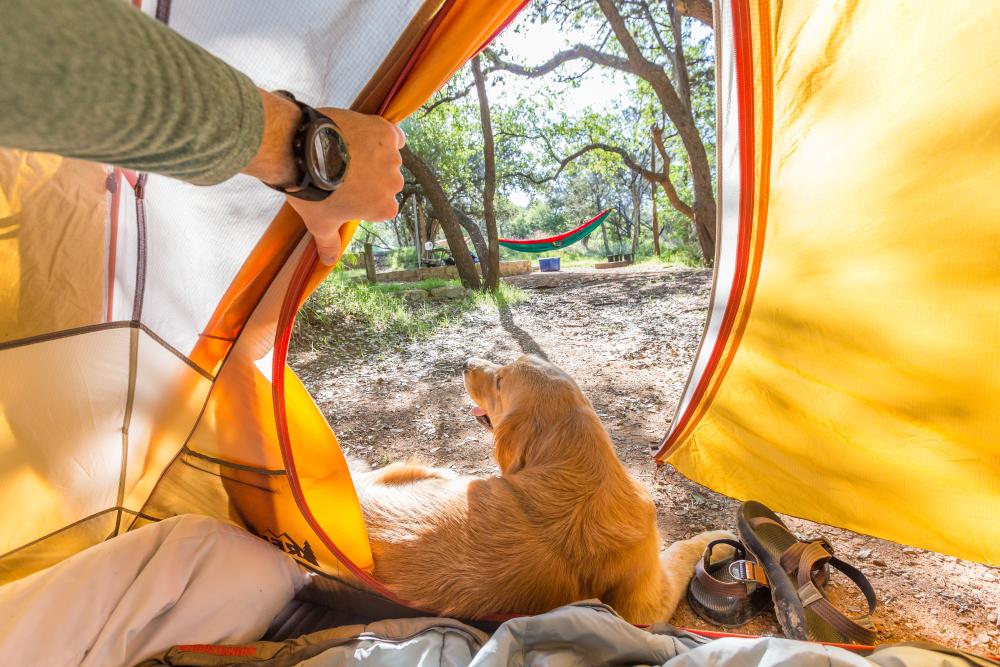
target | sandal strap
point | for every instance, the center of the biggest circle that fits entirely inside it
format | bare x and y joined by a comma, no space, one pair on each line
793,554
736,589
861,629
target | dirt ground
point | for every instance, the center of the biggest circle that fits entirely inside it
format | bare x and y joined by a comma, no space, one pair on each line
628,336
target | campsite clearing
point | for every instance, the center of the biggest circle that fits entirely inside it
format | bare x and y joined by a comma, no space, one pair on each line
628,336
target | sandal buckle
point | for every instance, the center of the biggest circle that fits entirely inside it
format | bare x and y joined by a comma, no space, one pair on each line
820,539
747,572
825,543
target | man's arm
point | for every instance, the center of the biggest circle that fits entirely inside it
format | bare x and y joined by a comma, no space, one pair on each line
98,80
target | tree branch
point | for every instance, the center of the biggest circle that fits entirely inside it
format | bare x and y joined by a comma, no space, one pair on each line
661,178
696,9
677,56
680,115
654,26
668,185
578,52
475,234
428,108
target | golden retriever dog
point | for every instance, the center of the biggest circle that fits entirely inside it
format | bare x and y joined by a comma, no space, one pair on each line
564,521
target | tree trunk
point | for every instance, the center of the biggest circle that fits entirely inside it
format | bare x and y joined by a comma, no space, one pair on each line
422,227
370,263
652,198
432,228
604,231
675,102
395,229
636,215
491,268
475,234
446,214
622,222
680,65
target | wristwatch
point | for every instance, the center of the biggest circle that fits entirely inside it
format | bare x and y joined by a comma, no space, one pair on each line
319,152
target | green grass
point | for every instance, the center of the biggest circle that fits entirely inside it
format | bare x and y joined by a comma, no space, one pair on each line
569,258
507,295
426,283
358,318
682,255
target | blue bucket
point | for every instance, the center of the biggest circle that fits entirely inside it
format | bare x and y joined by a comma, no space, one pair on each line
548,264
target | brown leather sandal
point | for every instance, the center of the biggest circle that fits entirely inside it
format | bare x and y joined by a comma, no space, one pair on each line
794,571
731,591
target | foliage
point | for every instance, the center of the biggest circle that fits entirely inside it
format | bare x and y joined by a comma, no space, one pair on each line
686,255
402,258
535,130
540,219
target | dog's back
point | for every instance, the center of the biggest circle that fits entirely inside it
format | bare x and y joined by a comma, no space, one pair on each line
572,526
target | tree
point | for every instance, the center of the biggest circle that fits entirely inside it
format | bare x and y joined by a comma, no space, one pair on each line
643,48
444,212
491,267
458,141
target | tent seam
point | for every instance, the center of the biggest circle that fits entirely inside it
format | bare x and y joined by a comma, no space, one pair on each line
222,365
133,364
106,326
138,514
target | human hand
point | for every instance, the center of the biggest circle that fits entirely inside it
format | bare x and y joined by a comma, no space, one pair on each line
369,189
370,184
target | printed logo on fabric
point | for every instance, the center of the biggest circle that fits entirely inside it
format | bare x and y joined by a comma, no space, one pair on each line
289,545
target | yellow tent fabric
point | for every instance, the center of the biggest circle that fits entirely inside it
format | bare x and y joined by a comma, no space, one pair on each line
138,314
850,372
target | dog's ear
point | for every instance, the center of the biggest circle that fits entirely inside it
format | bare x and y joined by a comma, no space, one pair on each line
511,440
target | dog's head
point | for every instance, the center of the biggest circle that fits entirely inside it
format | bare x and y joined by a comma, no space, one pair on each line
525,403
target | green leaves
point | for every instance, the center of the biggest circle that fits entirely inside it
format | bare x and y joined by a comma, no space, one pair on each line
550,174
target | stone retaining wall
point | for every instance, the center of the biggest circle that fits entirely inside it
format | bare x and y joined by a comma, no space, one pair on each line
415,275
612,265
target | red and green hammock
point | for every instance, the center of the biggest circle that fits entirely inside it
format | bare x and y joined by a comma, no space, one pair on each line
556,242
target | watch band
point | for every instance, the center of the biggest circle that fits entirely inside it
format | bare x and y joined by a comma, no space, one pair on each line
308,185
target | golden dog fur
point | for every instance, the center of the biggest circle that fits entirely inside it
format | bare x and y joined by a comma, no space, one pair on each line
564,521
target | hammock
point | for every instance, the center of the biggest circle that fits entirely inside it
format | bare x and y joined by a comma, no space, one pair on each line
555,242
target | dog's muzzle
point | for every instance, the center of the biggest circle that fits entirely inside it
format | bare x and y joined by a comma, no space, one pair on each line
481,417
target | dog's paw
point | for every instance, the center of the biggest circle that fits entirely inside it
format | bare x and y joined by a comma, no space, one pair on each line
357,466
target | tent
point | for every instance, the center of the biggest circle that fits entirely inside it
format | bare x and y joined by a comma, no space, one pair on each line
139,315
849,370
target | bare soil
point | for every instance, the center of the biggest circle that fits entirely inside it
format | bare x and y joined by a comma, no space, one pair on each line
629,337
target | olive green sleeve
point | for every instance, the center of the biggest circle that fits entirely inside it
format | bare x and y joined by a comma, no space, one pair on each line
99,80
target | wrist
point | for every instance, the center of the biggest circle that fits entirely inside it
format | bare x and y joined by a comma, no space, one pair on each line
274,163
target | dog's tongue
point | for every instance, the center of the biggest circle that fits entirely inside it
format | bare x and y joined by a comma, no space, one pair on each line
477,412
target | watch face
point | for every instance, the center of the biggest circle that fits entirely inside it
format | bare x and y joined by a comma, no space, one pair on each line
327,156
